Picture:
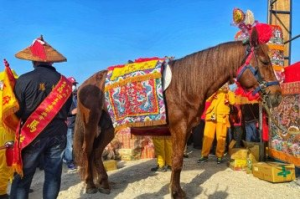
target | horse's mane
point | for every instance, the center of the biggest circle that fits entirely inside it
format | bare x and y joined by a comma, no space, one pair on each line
207,66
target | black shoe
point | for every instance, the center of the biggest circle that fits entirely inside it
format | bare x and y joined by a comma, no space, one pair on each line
197,147
203,159
5,196
158,169
168,168
185,155
219,160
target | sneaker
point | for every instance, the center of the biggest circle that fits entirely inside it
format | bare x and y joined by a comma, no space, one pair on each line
71,166
219,160
158,169
203,159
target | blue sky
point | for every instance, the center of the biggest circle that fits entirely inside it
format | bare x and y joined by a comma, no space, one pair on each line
95,34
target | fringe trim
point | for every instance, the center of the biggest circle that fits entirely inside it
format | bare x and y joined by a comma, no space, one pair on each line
284,157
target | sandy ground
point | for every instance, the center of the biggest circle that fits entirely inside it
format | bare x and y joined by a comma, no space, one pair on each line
134,180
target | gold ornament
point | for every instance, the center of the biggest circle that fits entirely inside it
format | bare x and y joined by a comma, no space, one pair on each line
238,16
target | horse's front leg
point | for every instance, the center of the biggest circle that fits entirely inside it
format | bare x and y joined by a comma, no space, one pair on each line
178,134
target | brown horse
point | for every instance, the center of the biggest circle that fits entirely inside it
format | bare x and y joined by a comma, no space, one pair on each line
195,78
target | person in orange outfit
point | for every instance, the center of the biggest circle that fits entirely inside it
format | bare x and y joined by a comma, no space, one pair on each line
217,122
163,152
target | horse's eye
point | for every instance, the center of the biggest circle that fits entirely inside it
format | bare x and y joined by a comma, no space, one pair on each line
265,61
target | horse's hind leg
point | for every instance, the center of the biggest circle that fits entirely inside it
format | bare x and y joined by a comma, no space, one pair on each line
105,137
90,133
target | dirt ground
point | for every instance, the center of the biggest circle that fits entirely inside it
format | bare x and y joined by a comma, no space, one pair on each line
134,180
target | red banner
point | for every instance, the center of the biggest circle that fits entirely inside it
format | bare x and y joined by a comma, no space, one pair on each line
39,119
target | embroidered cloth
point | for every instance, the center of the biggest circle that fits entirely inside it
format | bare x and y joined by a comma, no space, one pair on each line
134,94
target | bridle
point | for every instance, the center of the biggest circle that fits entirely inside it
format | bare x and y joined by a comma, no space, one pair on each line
261,88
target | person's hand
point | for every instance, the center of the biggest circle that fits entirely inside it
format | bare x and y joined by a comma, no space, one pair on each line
9,144
226,102
74,111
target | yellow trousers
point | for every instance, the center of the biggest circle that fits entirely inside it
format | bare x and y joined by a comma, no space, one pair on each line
5,171
163,150
211,129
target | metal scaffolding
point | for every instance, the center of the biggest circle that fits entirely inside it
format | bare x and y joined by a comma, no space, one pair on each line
280,13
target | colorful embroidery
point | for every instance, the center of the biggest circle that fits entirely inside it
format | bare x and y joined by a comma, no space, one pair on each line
285,145
134,94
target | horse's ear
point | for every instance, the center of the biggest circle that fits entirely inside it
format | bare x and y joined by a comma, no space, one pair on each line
254,37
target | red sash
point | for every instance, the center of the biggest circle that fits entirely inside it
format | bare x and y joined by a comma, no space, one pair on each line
40,119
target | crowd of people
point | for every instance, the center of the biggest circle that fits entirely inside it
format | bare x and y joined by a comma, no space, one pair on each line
47,139
224,119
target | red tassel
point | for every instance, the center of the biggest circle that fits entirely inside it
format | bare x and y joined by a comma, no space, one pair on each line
9,156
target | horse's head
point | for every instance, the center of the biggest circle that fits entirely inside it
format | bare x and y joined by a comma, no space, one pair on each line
257,73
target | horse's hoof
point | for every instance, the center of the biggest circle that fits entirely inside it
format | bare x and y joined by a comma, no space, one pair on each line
91,190
105,191
178,195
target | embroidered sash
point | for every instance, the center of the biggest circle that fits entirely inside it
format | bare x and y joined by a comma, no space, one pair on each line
40,119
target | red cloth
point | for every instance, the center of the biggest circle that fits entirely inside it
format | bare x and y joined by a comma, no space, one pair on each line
38,49
207,104
265,128
9,156
249,94
292,73
264,32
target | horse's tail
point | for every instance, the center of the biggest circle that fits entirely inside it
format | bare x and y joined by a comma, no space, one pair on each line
78,142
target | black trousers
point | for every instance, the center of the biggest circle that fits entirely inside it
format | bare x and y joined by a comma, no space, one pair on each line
197,134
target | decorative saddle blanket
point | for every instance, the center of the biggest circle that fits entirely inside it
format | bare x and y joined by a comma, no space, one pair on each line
134,93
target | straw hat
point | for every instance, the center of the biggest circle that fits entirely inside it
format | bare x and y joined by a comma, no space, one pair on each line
40,51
